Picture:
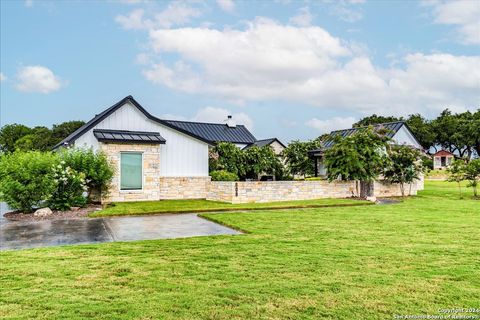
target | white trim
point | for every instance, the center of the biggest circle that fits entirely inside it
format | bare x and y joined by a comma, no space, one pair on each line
120,174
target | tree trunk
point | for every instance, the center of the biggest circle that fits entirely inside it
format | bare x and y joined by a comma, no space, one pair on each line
366,189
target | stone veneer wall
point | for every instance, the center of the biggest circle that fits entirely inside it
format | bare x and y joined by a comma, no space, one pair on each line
270,191
267,191
183,187
151,172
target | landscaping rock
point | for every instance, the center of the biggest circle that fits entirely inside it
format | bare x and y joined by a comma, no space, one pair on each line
43,212
75,208
371,199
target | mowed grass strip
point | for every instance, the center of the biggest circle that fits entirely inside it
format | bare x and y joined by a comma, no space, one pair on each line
183,206
368,262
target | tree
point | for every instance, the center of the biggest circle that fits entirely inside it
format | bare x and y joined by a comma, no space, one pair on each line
227,156
39,139
360,157
474,132
422,130
374,119
457,173
405,166
296,157
472,174
62,130
10,133
261,160
454,132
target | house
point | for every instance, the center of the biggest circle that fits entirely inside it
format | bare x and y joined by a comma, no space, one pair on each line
398,131
155,158
276,145
442,159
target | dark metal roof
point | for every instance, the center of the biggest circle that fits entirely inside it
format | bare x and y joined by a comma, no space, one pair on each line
390,127
99,117
215,132
105,135
264,142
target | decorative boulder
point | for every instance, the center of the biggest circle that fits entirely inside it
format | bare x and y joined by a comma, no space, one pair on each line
75,208
43,212
371,199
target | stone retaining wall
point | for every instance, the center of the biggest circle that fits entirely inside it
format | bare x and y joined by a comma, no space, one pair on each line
270,191
183,187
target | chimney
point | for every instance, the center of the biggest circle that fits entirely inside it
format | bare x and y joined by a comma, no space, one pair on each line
230,122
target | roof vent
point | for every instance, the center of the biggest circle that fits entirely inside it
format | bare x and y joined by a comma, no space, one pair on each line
230,122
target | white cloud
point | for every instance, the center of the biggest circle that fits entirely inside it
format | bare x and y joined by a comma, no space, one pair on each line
28,3
303,18
226,5
2,77
347,11
176,13
269,61
464,14
326,126
214,115
37,79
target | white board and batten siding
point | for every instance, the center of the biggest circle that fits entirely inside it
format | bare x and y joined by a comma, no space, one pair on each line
405,137
180,156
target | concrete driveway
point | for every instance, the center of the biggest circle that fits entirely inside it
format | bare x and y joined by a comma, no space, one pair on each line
20,235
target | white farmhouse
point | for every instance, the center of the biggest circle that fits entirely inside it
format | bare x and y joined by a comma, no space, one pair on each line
398,131
155,158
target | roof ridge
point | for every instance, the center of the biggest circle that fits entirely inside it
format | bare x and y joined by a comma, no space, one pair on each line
214,123
375,125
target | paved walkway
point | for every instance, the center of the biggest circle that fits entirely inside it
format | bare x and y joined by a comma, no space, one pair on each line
20,235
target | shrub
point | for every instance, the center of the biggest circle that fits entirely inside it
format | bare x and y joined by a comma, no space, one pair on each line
457,173
70,186
222,175
405,166
472,174
97,170
26,179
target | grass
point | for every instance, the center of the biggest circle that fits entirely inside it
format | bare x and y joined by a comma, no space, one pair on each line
363,262
182,206
437,174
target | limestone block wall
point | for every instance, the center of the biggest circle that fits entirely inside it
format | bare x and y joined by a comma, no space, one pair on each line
221,191
268,191
386,189
151,172
183,187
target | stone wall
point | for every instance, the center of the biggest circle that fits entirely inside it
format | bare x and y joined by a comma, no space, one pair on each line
183,187
271,191
151,172
267,191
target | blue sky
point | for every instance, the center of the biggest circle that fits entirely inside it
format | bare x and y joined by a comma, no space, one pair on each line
291,69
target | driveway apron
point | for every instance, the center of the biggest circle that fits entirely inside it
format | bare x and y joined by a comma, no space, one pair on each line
20,235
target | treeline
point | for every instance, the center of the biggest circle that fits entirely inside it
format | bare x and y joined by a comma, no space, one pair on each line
456,132
20,137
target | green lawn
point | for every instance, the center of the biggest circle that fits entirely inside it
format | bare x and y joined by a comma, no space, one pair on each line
179,206
363,262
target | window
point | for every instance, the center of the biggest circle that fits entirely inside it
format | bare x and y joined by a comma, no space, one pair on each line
131,171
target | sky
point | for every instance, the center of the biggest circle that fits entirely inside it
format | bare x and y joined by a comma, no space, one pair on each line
286,69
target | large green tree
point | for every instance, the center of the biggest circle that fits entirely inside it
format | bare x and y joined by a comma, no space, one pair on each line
262,160
62,130
39,139
423,130
374,119
10,133
358,157
296,157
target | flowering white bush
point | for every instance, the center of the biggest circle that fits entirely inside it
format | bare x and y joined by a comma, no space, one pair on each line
70,187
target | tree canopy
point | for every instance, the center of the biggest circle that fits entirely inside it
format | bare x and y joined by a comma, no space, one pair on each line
456,132
20,137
